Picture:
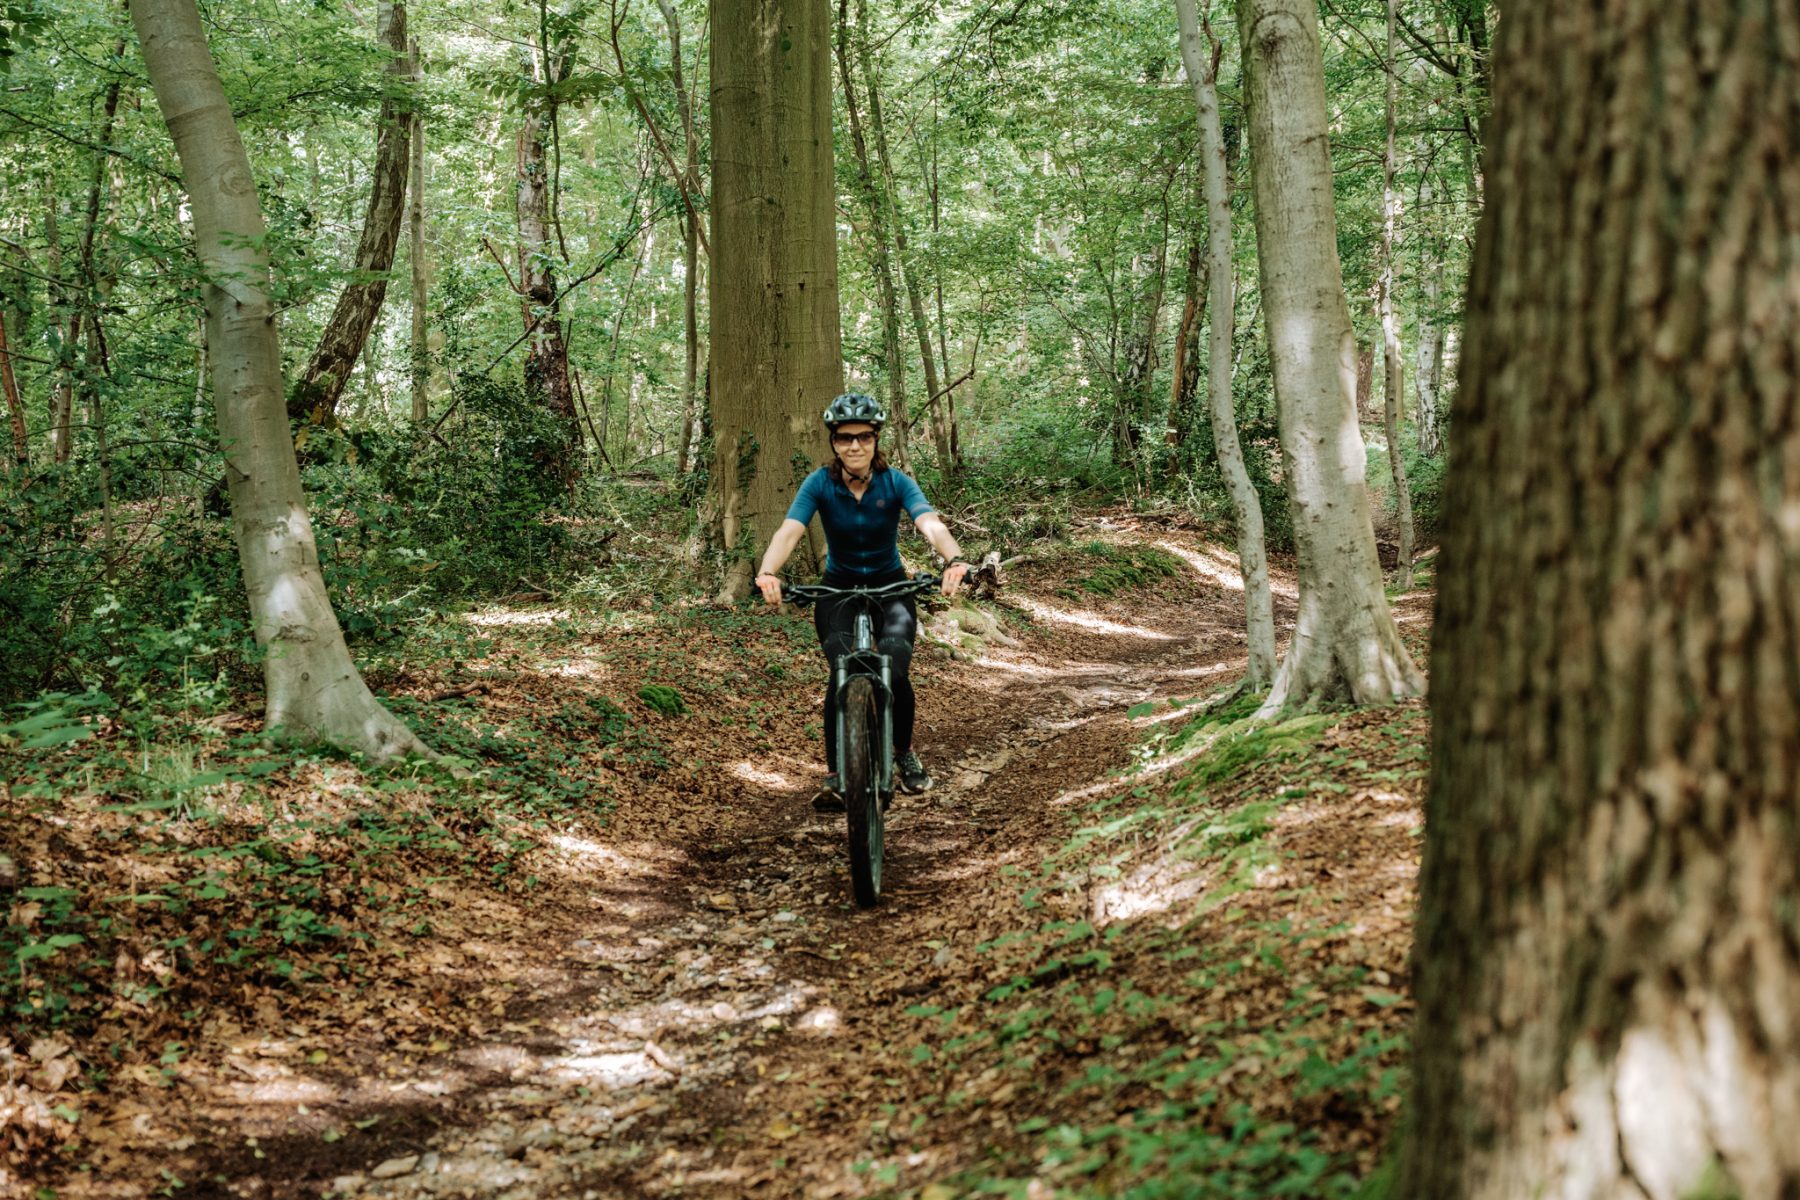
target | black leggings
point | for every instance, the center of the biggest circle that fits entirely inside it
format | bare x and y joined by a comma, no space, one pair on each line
896,627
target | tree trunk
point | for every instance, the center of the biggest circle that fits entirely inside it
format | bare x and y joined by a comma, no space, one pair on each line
62,404
1184,375
776,356
1246,506
1345,642
1392,358
939,410
690,247
1607,968
547,359
881,261
313,687
1429,365
315,396
15,407
421,278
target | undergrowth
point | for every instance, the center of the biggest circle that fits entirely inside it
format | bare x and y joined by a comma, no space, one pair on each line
1227,1045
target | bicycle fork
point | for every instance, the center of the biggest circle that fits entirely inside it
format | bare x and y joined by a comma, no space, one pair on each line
863,652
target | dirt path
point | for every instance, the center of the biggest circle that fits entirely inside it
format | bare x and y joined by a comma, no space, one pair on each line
691,1006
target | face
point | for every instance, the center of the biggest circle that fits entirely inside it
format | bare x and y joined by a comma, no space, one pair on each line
855,444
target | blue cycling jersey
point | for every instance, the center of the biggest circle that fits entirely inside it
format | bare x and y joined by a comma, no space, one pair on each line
861,536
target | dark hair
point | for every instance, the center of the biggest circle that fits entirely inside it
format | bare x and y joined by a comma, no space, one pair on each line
836,465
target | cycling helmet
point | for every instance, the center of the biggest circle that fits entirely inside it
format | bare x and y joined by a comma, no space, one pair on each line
854,406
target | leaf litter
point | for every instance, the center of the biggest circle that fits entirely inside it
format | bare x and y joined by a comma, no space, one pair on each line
1140,954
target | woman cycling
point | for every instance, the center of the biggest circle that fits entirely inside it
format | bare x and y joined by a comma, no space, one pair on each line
858,499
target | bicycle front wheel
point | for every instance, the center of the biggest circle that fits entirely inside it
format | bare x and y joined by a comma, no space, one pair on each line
862,792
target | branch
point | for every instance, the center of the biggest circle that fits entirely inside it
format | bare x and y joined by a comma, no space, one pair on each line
495,255
681,179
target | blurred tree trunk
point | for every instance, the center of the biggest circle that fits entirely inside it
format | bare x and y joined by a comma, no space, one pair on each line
547,355
321,384
1184,374
421,277
1608,973
313,688
15,408
776,357
881,259
1246,506
1345,643
1392,357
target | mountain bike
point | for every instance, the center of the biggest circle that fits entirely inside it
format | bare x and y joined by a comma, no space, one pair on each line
865,732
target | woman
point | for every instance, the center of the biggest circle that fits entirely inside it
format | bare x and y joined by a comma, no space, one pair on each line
858,499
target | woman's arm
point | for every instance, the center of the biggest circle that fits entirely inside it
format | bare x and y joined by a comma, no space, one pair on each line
932,528
775,557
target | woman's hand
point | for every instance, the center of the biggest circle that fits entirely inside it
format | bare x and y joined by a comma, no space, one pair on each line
770,587
953,577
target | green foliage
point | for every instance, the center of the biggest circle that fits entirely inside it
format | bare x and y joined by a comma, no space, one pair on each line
665,700
1107,568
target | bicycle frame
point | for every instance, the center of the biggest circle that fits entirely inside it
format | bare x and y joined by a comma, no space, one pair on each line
864,659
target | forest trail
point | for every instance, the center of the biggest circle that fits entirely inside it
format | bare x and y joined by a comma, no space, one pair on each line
690,1004
682,999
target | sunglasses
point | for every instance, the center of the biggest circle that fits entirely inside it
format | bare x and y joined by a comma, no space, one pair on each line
853,439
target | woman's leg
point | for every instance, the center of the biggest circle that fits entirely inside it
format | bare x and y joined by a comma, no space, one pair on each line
899,629
834,620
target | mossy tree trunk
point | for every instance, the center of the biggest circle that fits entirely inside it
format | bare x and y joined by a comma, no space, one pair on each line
776,351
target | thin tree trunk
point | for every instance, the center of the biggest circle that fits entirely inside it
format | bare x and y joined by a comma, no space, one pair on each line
1607,970
15,407
62,407
1345,642
1392,357
547,360
880,255
321,384
421,278
1246,507
1184,373
690,247
313,687
776,356
1429,366
909,272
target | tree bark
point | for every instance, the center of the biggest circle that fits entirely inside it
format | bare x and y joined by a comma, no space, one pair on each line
321,384
62,403
1608,973
421,277
942,417
15,407
776,356
691,235
1429,366
313,688
1392,357
1246,506
1345,642
547,356
881,259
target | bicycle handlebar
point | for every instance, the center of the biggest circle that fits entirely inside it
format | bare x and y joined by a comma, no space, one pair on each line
807,593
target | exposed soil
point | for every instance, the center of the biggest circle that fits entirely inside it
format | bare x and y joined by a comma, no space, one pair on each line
688,1003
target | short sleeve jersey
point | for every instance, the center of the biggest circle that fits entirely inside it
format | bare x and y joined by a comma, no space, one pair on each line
862,537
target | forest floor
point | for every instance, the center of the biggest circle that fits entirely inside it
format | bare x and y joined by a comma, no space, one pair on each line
1123,949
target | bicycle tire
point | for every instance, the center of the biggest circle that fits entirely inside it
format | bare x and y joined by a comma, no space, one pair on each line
862,799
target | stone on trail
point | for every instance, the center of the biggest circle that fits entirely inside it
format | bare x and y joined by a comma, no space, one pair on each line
395,1167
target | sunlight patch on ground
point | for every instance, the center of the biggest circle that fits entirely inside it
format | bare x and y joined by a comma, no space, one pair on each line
494,617
573,670
1089,621
1222,568
601,1069
593,854
751,773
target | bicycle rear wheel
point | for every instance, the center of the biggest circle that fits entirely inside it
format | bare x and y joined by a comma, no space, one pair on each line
862,799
